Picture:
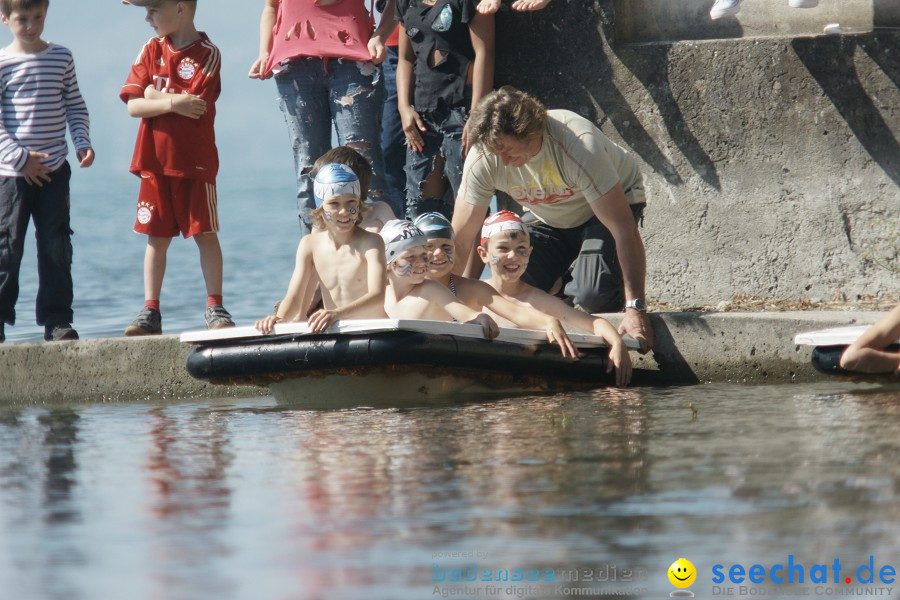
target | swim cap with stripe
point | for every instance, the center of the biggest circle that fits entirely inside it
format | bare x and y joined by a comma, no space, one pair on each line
334,179
501,221
434,225
399,236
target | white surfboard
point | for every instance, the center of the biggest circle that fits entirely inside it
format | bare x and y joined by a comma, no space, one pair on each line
362,326
835,336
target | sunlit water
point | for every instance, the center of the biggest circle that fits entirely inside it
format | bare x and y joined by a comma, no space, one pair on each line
246,499
259,235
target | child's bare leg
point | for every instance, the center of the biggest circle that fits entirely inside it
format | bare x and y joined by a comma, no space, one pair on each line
529,5
487,7
155,266
210,262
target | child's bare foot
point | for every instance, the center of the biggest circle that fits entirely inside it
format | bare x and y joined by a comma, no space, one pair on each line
529,5
487,7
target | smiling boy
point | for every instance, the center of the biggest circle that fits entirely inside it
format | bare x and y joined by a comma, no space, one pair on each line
409,295
505,247
339,256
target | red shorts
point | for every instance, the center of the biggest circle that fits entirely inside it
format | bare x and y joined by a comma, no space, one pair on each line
168,206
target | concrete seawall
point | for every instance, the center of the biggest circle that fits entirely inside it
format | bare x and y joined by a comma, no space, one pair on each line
691,348
770,151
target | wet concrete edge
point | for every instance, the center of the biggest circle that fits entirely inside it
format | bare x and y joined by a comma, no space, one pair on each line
749,348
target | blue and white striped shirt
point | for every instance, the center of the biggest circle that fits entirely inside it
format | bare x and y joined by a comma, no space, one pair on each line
39,95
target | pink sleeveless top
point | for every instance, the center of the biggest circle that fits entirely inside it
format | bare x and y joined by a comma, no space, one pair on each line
303,28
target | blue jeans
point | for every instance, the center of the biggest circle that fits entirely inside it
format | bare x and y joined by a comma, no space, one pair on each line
442,135
316,92
48,206
393,141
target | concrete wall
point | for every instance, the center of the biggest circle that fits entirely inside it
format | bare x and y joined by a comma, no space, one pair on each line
772,164
690,348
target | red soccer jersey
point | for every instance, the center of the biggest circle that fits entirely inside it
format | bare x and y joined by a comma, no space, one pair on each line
171,144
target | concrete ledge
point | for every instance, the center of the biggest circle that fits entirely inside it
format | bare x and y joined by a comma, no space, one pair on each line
105,370
655,21
690,348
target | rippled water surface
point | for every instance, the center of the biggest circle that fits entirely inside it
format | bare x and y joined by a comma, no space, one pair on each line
247,499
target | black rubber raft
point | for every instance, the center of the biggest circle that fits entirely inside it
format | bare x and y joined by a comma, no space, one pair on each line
260,361
827,359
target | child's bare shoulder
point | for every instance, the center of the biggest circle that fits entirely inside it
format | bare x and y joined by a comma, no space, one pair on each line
382,211
368,240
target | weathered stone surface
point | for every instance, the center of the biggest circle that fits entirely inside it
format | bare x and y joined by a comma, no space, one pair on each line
690,348
772,165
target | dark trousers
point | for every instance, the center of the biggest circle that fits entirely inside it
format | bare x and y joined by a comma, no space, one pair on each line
393,140
48,206
594,282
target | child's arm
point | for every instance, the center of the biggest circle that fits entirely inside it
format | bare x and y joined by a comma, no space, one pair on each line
438,294
868,355
266,25
383,32
618,352
78,118
298,295
410,119
523,316
160,103
376,279
481,31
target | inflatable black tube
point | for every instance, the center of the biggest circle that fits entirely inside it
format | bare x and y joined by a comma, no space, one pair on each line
827,359
275,358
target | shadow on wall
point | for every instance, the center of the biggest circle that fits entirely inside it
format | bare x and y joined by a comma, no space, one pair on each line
831,62
574,35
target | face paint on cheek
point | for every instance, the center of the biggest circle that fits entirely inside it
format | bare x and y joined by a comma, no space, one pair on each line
353,209
449,253
402,270
523,253
328,215
495,260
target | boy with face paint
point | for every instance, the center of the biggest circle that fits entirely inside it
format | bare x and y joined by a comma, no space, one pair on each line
505,247
409,295
476,294
345,261
375,213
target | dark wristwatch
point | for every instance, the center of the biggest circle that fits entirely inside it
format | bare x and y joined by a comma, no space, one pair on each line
637,304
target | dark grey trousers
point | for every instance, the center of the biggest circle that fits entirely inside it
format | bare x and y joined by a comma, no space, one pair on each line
48,206
584,256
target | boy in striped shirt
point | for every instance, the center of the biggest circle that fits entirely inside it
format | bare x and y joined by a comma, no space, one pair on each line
172,88
39,97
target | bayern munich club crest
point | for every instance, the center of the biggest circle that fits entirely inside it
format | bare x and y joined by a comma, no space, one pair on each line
187,69
143,214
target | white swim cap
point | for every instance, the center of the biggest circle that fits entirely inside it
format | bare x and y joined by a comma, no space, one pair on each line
399,236
502,221
334,179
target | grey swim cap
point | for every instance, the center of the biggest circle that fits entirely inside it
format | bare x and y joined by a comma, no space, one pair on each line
399,236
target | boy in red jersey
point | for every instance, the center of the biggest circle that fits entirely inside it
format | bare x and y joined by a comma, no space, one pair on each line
172,88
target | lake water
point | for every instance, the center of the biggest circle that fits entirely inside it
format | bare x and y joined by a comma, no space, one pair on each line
259,235
238,499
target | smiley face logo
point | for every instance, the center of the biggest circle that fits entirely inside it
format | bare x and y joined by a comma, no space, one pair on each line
682,573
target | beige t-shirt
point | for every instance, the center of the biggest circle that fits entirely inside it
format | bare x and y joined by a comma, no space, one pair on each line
577,165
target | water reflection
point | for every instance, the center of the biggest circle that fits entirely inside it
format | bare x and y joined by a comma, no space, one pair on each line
248,500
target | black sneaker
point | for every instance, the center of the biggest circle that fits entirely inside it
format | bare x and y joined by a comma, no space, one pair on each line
148,322
217,317
60,333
